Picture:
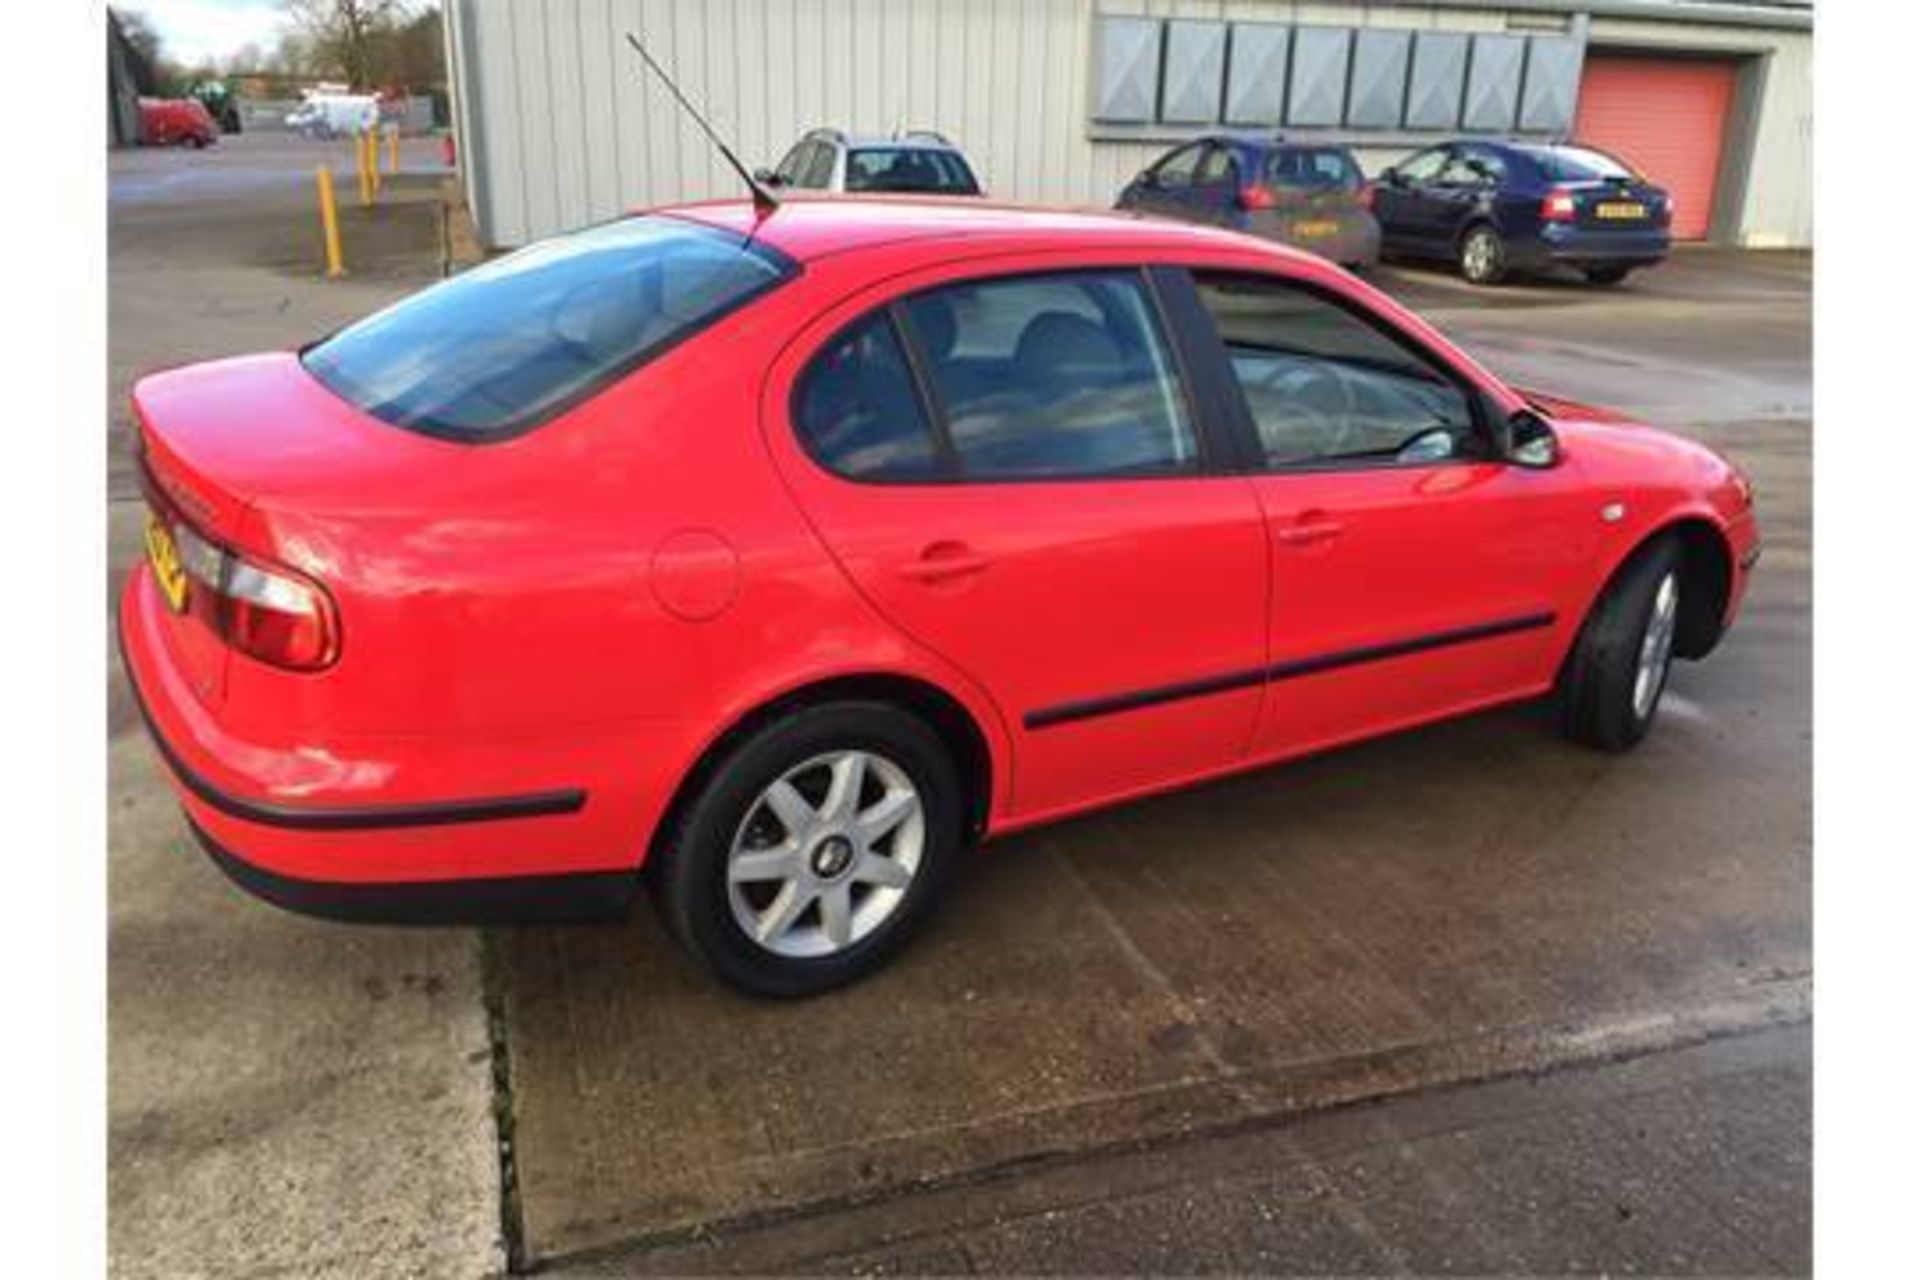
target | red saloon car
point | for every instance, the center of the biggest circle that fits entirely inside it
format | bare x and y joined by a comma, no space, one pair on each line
166,122
775,561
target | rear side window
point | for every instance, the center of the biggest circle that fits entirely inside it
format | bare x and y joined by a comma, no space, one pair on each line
510,343
909,169
1314,169
1054,376
856,410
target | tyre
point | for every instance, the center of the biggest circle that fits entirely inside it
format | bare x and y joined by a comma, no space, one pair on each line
813,849
1606,275
1483,255
1610,689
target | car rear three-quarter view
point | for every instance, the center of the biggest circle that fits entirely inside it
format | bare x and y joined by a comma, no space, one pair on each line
770,560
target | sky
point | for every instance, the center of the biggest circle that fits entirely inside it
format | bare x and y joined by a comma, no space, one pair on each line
193,31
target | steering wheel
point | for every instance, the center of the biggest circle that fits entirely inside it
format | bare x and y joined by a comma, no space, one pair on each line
1318,400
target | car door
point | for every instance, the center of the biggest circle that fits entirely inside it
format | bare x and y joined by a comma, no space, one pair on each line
1165,188
1406,205
1007,463
1413,574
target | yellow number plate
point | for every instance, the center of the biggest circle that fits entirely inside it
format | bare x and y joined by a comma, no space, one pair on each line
1620,209
1315,228
165,559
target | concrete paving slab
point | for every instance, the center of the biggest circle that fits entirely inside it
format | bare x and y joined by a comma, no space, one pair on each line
1471,899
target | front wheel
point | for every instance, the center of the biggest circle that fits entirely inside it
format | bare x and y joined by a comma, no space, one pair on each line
1617,672
1606,275
814,849
1483,256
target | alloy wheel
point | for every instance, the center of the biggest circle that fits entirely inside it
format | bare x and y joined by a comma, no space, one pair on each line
1656,646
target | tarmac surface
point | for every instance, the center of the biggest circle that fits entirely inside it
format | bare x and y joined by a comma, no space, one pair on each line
1469,999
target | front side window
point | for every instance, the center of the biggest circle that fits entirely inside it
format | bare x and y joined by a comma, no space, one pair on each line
508,344
1061,375
1424,167
856,410
1216,168
909,169
1177,169
1325,387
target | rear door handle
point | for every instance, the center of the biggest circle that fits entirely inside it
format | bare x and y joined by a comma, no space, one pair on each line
943,562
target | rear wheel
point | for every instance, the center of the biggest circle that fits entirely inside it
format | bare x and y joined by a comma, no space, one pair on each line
814,849
1483,255
1617,672
1606,275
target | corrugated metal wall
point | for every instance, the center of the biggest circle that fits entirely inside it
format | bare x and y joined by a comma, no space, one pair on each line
561,125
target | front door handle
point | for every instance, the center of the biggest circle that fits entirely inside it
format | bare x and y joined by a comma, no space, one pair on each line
943,562
1308,531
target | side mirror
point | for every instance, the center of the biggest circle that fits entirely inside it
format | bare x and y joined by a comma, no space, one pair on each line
1526,439
768,178
1392,177
1146,178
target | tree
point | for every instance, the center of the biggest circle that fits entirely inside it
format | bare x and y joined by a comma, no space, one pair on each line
143,51
347,35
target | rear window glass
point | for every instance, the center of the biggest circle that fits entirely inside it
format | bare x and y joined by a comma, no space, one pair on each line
909,169
510,343
1576,164
1314,168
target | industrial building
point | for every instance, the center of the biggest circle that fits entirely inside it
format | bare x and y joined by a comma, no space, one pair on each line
1063,101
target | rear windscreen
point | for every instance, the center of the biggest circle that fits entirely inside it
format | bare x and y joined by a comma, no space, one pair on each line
510,343
1576,164
909,169
1314,169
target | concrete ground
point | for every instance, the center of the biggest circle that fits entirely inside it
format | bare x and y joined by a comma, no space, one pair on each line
1465,1000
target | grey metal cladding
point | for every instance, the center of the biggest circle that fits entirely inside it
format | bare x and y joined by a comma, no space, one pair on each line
1196,58
1435,83
1552,83
1256,72
1126,66
1493,82
1317,88
1377,89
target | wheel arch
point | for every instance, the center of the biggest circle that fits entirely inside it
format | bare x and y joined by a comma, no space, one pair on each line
951,720
1706,566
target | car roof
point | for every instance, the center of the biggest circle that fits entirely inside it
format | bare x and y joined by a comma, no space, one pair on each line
806,227
907,140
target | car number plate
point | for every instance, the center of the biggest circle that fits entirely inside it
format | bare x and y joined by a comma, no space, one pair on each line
1620,209
164,556
1320,228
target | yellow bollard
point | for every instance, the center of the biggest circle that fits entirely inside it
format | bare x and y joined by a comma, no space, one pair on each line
360,169
393,148
329,220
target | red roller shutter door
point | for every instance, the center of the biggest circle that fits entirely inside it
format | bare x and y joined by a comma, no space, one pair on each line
1665,116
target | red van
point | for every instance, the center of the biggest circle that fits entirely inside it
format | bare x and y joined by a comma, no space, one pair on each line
166,122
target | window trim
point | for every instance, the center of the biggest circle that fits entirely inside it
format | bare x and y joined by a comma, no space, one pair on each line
1207,460
1237,416
786,269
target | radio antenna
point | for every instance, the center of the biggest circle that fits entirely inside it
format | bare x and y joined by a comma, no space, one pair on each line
764,202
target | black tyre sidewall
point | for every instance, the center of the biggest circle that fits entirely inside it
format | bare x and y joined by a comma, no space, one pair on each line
690,877
1597,689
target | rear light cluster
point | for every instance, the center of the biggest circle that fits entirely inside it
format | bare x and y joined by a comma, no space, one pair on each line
1258,198
266,612
1558,206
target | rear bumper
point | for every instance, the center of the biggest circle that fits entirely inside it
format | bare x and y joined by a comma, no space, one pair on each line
1558,243
328,831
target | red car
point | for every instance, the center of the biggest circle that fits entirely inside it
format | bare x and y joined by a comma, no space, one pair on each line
165,122
780,560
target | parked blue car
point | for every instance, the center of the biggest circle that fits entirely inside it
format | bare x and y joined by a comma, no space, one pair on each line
1497,208
1309,195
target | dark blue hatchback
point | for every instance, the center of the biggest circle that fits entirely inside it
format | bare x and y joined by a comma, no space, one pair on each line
1495,208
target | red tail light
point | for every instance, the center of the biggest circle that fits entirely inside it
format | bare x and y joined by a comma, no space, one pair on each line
1258,198
1558,206
268,612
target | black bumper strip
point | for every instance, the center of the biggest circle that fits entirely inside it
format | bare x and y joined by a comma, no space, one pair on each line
439,813
1088,708
576,897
